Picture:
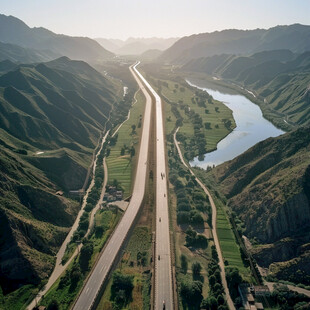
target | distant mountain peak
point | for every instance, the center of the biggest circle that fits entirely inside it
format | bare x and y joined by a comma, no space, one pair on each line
15,31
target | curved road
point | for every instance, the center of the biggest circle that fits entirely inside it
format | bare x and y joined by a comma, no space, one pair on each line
214,232
99,273
59,268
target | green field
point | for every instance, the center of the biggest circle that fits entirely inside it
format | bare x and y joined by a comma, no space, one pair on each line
229,246
170,118
121,167
217,112
140,241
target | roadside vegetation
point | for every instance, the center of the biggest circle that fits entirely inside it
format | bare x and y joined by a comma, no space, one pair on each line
130,284
66,288
121,152
91,202
197,272
203,123
135,265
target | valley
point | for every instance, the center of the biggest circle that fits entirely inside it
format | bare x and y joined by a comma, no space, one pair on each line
154,172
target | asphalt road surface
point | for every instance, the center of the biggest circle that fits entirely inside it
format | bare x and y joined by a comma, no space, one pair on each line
163,277
105,262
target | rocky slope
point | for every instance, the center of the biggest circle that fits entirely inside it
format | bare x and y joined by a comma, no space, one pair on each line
268,187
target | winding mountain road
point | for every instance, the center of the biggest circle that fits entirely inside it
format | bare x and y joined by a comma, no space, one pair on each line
214,232
59,267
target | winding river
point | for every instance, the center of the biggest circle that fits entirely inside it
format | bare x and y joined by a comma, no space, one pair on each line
251,126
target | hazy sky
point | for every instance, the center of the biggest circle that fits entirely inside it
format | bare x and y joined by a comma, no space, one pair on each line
163,18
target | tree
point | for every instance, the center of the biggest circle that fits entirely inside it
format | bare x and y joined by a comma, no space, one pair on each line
86,253
220,300
190,236
196,268
209,303
184,263
182,217
133,127
184,206
213,303
132,151
191,293
53,305
212,280
121,289
196,218
233,280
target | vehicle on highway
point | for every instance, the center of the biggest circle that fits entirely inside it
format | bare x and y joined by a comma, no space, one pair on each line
164,305
158,257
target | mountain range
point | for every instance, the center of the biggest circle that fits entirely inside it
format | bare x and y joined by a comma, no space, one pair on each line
136,46
293,37
53,110
280,80
46,43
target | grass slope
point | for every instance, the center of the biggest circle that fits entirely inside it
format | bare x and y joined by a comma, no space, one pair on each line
61,114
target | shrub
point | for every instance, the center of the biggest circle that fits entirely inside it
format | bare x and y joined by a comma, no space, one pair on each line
184,263
121,289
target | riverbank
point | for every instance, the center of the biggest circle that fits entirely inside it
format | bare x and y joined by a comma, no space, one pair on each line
251,126
275,117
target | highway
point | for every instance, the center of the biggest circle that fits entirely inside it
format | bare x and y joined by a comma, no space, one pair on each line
163,276
99,273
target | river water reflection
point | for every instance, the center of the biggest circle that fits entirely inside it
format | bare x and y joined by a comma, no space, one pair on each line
251,126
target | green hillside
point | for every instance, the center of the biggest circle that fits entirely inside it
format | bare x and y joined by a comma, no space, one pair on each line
51,118
268,188
45,42
20,54
240,42
279,79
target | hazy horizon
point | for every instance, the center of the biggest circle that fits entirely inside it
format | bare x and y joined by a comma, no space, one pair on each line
161,19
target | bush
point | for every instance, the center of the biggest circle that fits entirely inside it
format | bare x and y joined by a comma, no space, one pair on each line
195,240
183,217
121,289
184,263
191,293
196,268
196,218
53,305
86,253
184,206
